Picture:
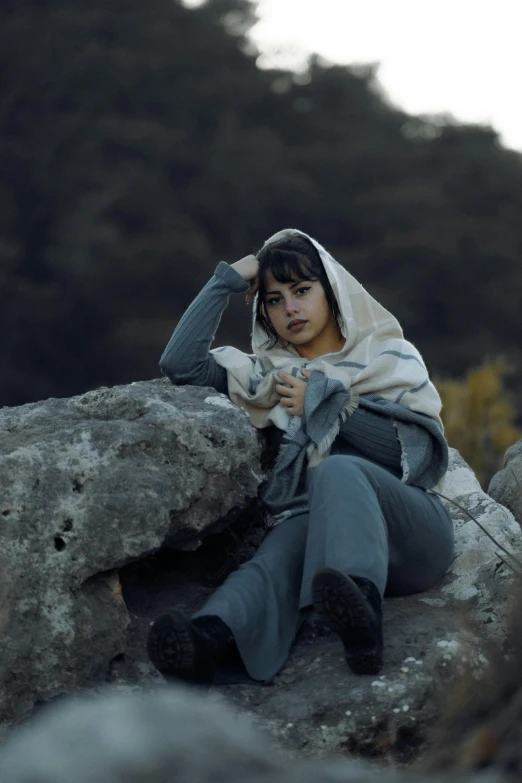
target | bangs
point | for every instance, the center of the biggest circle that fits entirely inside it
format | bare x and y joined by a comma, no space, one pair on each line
285,267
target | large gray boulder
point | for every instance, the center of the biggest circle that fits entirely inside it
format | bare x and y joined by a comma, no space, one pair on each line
317,707
481,580
168,735
506,485
91,486
87,485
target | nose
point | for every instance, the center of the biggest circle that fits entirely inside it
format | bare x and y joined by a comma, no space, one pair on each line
291,306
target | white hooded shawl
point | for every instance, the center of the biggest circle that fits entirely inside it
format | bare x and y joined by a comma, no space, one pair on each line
376,367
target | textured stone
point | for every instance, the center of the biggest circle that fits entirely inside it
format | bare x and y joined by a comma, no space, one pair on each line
317,707
87,485
96,482
506,485
167,735
478,577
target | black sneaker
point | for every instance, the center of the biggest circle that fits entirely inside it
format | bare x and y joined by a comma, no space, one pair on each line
351,606
188,649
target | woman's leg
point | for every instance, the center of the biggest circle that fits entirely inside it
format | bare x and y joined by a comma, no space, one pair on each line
363,521
257,607
368,530
260,601
367,523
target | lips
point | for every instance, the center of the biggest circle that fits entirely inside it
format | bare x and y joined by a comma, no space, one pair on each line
295,325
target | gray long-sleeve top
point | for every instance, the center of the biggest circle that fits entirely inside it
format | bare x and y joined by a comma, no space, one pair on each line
186,360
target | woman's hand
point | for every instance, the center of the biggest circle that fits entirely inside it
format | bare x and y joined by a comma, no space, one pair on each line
292,392
248,268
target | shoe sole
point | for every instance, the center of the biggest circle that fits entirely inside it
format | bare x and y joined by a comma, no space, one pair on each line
342,607
170,645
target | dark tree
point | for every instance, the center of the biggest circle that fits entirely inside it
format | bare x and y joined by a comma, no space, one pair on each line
140,144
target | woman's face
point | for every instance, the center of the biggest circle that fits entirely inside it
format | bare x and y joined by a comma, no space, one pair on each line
300,314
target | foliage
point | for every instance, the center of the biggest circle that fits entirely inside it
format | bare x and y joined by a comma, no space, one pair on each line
479,416
140,144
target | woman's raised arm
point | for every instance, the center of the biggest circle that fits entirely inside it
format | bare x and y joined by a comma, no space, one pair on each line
186,359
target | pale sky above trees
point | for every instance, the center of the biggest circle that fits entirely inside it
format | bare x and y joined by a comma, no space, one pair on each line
460,57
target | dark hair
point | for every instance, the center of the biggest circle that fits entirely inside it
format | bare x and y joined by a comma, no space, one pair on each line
290,258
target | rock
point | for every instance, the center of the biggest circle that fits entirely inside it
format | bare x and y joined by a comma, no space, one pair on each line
506,485
87,485
317,707
166,735
479,577
93,486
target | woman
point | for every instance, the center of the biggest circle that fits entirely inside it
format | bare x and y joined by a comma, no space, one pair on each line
349,407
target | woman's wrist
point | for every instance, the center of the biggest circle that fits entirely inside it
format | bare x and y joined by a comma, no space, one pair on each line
231,277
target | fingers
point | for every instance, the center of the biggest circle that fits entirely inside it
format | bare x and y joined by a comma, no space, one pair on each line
282,389
290,398
290,380
289,402
293,407
292,377
252,291
287,388
287,378
287,392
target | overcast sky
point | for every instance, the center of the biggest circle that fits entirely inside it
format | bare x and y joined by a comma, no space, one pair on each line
458,56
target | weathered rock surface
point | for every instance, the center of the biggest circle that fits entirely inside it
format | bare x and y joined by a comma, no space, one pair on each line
90,490
317,706
167,735
506,485
479,581
87,485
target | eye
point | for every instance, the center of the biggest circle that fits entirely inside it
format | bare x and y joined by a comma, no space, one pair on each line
275,300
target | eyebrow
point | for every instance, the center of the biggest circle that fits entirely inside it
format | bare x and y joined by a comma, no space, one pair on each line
297,282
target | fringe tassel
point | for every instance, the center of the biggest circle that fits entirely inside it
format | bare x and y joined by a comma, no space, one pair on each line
324,445
351,406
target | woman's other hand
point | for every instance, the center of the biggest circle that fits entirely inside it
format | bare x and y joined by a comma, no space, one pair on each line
292,391
248,267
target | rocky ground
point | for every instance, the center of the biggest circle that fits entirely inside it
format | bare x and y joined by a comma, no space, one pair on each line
105,500
316,705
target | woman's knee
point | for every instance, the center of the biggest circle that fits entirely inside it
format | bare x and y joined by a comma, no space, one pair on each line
422,566
337,466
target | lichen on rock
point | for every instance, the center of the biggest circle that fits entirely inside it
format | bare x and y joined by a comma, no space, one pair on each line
87,485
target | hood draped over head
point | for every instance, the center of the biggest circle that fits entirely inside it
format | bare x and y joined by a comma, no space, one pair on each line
374,359
362,315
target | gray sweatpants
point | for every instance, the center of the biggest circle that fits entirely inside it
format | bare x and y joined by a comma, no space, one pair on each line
363,521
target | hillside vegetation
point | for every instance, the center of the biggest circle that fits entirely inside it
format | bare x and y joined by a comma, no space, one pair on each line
140,144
